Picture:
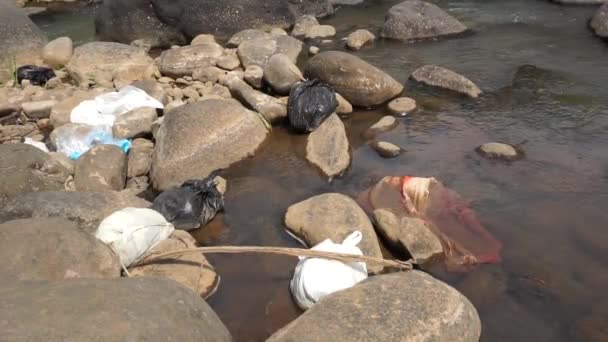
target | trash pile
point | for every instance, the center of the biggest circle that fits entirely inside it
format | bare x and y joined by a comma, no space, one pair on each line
35,74
192,205
309,104
73,142
464,239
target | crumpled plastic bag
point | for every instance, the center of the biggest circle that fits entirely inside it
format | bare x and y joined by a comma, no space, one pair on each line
464,239
192,205
35,74
103,110
309,104
74,141
315,278
132,232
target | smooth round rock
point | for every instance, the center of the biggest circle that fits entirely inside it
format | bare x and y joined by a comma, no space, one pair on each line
401,106
498,150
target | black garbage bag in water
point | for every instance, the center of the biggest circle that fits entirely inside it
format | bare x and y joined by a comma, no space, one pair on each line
192,205
37,75
309,104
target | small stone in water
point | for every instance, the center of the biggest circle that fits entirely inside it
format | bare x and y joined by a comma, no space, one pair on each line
386,149
402,105
385,124
313,50
498,150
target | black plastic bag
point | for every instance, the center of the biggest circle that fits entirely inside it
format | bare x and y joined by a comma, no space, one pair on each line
37,75
309,104
192,205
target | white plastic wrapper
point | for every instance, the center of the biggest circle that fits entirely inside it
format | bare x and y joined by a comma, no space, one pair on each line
132,232
103,110
315,278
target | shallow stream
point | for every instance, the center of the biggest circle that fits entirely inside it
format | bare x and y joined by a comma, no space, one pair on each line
545,80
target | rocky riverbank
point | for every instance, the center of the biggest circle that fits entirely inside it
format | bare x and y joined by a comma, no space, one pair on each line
222,94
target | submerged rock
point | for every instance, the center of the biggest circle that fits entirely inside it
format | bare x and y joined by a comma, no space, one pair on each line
436,76
599,22
358,81
328,148
386,149
416,19
97,63
103,167
403,306
190,270
499,151
86,208
332,216
123,309
386,123
52,249
198,138
408,235
402,105
358,38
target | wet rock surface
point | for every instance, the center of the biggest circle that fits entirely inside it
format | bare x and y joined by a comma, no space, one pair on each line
328,148
436,76
599,22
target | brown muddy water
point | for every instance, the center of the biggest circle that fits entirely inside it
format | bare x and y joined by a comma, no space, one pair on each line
545,79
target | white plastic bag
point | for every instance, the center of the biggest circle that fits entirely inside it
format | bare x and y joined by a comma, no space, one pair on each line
38,144
131,232
102,110
316,278
73,141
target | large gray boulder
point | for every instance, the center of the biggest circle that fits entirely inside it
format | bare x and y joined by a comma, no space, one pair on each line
126,21
88,209
198,138
52,249
21,40
599,22
167,22
416,19
101,62
359,82
332,216
22,170
404,306
124,309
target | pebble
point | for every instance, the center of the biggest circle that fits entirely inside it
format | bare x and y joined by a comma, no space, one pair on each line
191,93
358,38
401,106
39,109
386,149
498,150
313,50
385,124
165,80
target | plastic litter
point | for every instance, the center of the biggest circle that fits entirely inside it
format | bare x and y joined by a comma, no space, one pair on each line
131,232
316,278
309,104
464,239
36,75
192,205
75,142
102,110
38,144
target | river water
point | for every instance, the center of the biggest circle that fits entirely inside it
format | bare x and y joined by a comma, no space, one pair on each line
545,80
